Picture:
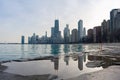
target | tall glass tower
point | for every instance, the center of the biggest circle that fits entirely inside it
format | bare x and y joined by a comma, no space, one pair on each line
80,30
55,33
22,39
56,29
113,14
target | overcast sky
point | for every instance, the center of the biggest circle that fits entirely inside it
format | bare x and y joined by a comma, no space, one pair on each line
24,17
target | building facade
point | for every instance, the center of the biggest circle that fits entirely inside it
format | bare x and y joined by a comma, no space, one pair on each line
22,40
113,15
97,34
80,30
66,34
56,34
90,35
74,36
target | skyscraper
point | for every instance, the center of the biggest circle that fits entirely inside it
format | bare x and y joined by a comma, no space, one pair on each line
80,30
52,32
55,33
56,26
66,34
104,31
29,40
84,32
97,34
113,14
117,21
74,36
114,24
90,35
33,39
22,39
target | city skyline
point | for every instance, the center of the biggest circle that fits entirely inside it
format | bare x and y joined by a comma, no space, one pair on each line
26,17
76,36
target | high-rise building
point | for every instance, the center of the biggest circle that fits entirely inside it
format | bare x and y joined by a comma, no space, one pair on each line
113,15
56,26
55,33
80,30
84,32
104,31
114,24
29,40
90,35
66,34
108,30
97,34
33,39
117,21
52,32
22,39
74,36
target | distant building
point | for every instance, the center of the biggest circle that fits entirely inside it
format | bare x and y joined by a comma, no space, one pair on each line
108,31
104,31
66,34
56,27
117,28
80,30
52,32
22,39
90,35
113,17
114,25
70,38
97,34
117,21
56,34
34,39
74,36
84,32
44,39
29,40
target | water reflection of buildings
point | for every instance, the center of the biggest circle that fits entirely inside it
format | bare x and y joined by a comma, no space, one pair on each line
56,63
80,62
22,52
100,61
76,48
66,48
76,55
55,49
85,56
66,51
66,59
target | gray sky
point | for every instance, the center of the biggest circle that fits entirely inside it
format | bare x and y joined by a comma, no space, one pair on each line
24,17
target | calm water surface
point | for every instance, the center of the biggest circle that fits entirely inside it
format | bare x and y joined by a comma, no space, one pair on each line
12,51
64,66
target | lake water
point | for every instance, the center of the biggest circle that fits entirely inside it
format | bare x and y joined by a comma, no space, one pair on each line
64,66
13,51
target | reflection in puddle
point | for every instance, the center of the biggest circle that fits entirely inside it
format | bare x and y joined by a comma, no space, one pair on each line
103,60
66,66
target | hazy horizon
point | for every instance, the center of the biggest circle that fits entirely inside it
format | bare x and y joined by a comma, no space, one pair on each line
25,17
